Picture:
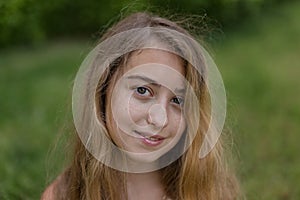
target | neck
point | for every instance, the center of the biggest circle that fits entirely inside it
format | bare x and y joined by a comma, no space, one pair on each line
146,186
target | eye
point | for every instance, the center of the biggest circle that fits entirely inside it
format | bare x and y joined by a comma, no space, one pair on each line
178,100
143,91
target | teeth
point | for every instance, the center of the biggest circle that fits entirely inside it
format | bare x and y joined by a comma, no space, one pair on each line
152,139
149,137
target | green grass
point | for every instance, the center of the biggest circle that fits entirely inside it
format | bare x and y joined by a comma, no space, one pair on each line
35,87
260,68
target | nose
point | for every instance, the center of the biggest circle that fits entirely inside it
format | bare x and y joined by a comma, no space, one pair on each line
157,116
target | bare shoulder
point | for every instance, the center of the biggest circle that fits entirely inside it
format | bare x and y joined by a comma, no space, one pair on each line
49,193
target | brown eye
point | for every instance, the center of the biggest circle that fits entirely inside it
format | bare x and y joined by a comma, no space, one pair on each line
143,91
178,100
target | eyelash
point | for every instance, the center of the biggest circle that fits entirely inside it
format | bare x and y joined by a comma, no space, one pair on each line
177,100
143,94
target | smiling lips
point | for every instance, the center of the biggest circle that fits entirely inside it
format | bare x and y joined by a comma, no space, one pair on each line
153,140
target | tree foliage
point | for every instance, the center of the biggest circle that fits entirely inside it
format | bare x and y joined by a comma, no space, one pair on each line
31,21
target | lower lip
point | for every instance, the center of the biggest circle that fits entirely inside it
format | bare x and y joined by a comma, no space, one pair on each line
151,142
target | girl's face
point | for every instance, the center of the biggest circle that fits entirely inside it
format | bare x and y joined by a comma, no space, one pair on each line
145,116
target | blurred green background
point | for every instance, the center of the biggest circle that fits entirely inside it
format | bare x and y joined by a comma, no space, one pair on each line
255,43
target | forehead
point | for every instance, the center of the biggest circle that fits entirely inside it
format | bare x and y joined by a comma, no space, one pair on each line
157,67
158,56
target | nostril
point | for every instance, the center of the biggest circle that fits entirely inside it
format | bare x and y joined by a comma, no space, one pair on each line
157,115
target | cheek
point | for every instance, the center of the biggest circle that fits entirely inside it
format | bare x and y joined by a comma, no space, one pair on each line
138,111
120,106
177,123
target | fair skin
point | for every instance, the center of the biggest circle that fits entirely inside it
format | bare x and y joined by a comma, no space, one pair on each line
48,194
152,87
147,105
148,117
146,186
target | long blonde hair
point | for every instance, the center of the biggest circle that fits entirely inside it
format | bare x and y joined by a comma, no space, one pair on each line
187,178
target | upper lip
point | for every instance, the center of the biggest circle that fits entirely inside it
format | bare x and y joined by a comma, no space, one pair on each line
149,135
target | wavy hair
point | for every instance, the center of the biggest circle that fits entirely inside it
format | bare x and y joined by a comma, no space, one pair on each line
187,178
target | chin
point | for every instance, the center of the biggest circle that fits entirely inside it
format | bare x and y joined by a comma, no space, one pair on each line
149,157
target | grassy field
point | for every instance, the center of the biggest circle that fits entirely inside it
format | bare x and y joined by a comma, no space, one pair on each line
35,85
260,67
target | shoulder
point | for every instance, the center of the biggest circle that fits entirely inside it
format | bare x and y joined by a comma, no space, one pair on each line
49,193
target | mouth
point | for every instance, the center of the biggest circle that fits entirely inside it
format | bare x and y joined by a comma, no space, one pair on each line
150,140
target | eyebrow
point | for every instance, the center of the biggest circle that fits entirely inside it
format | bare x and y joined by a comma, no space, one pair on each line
144,78
151,81
180,91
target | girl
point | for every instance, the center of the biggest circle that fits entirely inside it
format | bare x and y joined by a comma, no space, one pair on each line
148,108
